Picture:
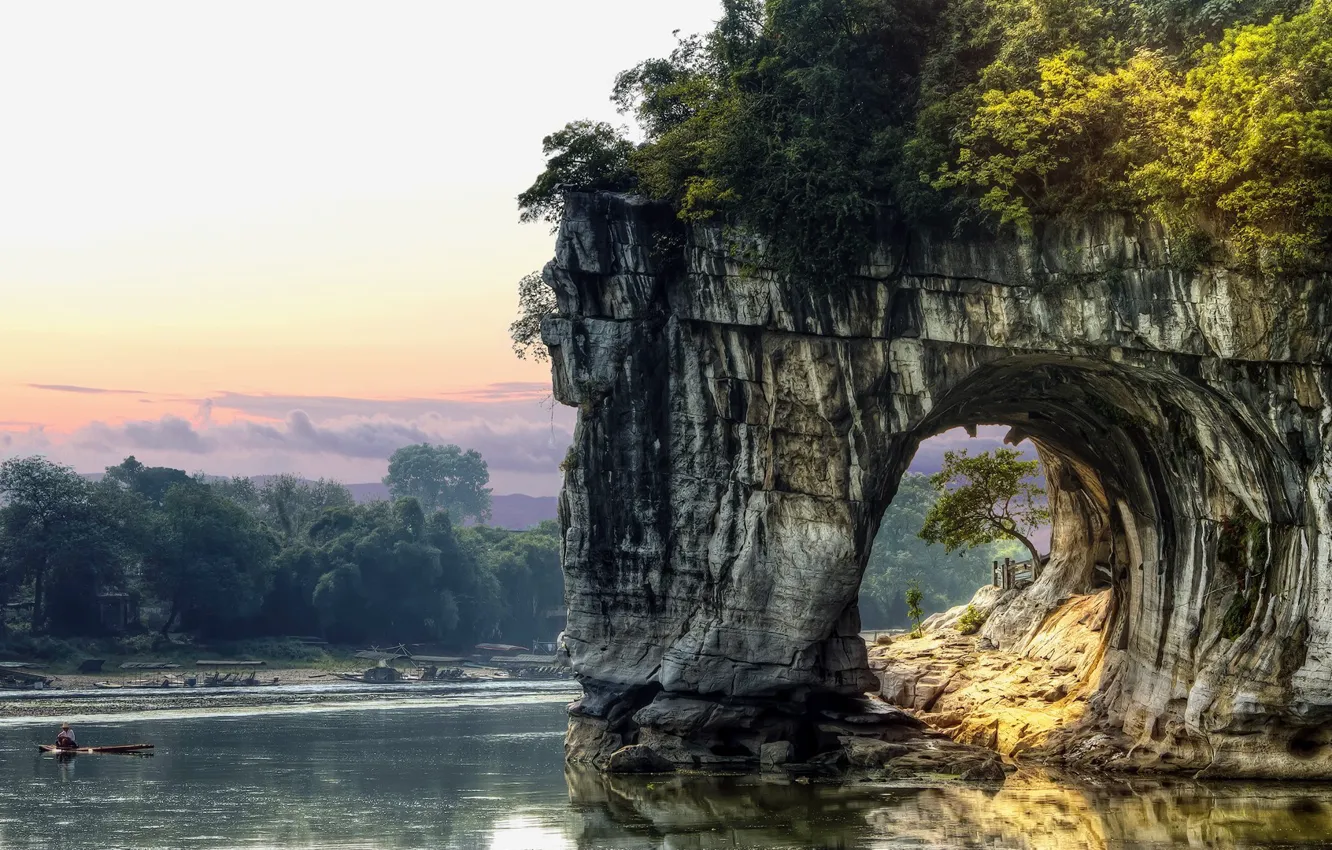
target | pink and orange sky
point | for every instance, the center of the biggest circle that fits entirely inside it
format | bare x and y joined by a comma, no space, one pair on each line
253,237
249,237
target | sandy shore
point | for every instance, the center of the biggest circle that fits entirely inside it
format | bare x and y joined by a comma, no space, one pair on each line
85,681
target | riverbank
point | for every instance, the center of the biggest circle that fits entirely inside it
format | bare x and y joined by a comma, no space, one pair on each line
95,707
127,678
278,684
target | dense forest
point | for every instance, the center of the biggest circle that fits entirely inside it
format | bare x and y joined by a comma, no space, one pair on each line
227,559
825,127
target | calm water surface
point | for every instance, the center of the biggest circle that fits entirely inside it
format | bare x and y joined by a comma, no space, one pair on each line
481,768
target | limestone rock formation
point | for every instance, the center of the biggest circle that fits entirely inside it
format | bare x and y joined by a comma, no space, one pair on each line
740,434
1010,701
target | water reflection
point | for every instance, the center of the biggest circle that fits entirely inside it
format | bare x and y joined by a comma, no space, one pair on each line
489,775
1032,811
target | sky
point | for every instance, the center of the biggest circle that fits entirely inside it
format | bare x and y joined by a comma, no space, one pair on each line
247,238
252,237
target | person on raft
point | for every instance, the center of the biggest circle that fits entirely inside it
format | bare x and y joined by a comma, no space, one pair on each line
65,740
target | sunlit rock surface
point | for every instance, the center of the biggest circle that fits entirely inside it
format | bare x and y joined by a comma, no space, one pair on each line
1007,700
739,436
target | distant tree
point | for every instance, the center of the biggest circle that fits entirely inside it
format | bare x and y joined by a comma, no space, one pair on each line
582,155
526,565
210,559
151,482
60,535
239,489
389,573
441,478
288,606
536,301
292,505
913,599
984,499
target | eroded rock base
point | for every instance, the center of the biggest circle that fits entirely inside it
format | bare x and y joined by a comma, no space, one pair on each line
1007,701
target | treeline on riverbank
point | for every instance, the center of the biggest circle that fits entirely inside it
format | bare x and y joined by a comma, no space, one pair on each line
153,549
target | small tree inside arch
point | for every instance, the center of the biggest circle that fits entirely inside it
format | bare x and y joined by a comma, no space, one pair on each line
986,498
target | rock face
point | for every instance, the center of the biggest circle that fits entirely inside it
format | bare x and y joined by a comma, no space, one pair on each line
740,435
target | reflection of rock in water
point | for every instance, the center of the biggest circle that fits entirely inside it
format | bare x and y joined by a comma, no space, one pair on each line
698,811
1035,814
1030,811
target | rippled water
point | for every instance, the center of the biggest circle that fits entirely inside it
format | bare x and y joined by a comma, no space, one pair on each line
480,767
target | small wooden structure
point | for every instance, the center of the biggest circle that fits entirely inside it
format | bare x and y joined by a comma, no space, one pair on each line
1011,574
229,673
14,679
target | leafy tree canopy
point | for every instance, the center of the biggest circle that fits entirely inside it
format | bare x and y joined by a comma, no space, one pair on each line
441,478
824,126
236,558
151,482
986,498
536,301
208,559
581,155
62,536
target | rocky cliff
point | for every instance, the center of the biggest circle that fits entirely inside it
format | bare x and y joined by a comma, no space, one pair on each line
740,434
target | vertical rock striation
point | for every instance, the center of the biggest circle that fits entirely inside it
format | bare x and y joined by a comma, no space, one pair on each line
740,435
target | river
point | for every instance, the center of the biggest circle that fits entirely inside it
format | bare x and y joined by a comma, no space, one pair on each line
479,766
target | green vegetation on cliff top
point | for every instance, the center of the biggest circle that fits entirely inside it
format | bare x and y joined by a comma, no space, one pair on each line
825,126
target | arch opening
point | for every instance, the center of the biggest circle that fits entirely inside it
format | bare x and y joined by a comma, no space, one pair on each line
1143,491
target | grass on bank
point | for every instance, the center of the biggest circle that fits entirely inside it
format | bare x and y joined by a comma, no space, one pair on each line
64,655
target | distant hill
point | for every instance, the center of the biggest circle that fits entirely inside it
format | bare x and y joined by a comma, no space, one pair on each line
519,511
373,492
514,510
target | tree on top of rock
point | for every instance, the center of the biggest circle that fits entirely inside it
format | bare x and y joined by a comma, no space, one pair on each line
986,498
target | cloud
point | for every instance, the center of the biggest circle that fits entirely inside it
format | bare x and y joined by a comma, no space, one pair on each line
69,388
363,438
507,391
513,445
170,433
495,401
929,457
351,439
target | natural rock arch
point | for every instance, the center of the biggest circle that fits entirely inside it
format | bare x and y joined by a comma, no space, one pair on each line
740,435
